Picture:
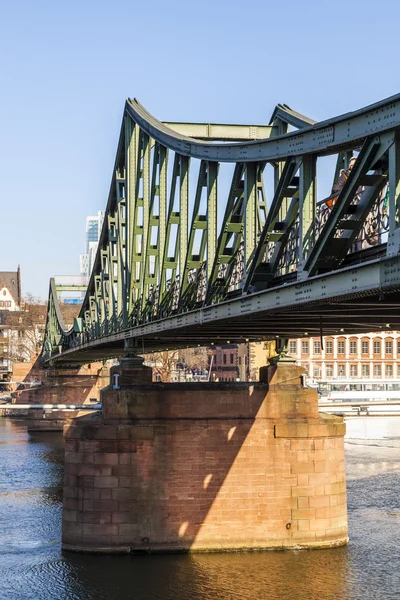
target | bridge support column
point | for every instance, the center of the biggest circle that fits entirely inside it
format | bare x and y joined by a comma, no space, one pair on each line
205,467
68,385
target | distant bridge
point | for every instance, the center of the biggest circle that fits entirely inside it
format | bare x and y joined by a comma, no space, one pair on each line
285,266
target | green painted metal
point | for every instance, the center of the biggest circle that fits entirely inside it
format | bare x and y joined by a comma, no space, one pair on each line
195,256
71,288
332,246
307,208
250,222
218,132
394,184
229,239
152,265
280,219
212,207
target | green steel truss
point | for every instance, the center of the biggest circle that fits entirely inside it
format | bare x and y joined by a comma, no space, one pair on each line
182,234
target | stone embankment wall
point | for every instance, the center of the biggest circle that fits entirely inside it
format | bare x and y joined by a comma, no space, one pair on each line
74,385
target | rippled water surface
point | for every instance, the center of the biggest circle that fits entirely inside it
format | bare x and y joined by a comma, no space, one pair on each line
32,565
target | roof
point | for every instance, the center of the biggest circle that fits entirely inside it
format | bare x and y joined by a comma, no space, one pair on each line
11,280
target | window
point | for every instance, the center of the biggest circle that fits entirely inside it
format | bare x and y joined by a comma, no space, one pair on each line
353,347
365,347
8,303
224,359
317,347
329,370
304,347
1,302
389,371
317,371
231,359
365,370
377,370
341,370
240,360
398,370
389,347
340,347
329,347
293,347
377,347
398,347
353,370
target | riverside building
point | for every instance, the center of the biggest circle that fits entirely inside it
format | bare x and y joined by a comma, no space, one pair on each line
369,355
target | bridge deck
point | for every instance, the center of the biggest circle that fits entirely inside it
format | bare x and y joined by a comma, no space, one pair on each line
357,299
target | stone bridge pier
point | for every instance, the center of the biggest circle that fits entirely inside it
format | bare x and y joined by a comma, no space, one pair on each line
60,385
204,467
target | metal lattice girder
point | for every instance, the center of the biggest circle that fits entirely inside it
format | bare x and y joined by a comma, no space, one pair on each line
307,208
288,116
155,225
393,245
345,222
152,267
229,238
250,213
199,224
275,229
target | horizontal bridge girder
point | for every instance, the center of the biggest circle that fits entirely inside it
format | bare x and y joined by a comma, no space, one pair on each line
275,312
213,131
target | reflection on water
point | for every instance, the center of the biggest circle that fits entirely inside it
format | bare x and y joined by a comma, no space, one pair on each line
32,565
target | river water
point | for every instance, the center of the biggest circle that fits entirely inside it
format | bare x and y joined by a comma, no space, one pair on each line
32,565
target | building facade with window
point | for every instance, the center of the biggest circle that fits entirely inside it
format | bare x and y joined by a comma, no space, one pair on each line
10,301
369,355
93,230
225,362
10,290
233,362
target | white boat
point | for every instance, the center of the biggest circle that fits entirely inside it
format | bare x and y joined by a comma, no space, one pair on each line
358,390
359,397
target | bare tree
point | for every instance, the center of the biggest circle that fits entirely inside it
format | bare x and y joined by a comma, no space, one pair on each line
196,358
25,329
165,363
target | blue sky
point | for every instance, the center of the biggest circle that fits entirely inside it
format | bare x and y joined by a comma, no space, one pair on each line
66,69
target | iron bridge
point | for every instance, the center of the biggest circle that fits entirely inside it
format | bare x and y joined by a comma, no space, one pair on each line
262,256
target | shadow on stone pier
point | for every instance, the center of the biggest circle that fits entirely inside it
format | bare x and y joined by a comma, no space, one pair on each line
205,467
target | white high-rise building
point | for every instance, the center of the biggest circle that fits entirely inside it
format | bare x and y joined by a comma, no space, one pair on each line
93,231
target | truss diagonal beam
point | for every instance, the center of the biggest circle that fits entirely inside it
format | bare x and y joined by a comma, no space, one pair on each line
344,223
